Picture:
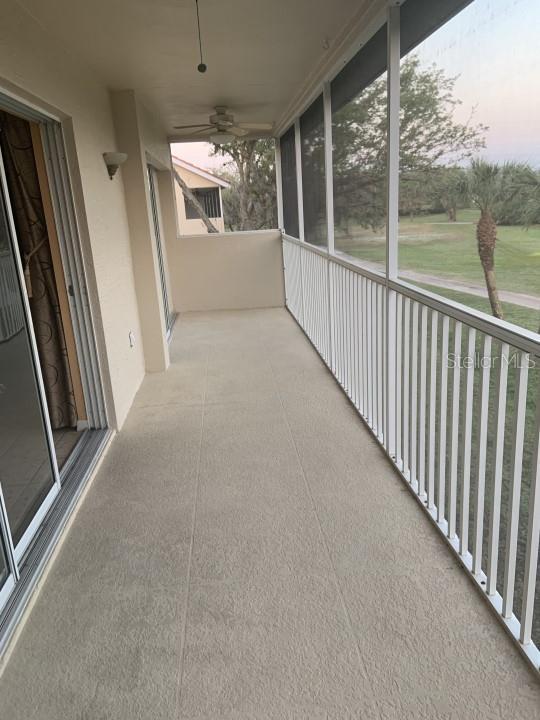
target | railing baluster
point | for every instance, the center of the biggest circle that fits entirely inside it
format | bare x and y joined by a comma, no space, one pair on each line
369,322
365,376
432,408
413,430
337,317
343,329
340,313
345,380
441,499
467,446
406,391
533,536
356,342
495,518
454,446
518,434
380,359
399,375
375,404
333,314
482,447
422,409
349,334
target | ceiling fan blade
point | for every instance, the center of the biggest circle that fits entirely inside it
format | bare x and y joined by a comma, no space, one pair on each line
238,131
189,127
256,126
208,130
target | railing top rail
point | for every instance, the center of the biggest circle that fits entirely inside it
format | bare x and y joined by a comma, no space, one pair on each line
378,277
518,338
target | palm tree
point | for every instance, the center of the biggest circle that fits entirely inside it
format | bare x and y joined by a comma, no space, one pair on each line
486,188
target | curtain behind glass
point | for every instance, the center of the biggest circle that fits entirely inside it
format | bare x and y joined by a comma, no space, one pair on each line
30,225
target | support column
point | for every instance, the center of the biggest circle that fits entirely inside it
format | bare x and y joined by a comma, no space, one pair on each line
143,248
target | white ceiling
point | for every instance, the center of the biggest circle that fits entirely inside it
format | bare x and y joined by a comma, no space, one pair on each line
259,52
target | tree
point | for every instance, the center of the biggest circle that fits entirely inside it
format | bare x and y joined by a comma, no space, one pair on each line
450,189
430,138
504,194
487,190
250,202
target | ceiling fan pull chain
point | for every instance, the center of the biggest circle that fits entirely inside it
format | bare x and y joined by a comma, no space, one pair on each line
201,67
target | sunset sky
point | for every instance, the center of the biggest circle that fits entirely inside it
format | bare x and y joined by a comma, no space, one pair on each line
493,48
198,153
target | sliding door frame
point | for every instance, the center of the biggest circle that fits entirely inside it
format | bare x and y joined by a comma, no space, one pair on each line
20,548
74,272
14,593
158,235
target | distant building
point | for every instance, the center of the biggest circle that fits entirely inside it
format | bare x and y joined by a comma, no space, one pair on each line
207,189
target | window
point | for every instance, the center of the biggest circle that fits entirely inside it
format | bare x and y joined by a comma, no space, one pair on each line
209,199
313,175
288,183
359,134
470,154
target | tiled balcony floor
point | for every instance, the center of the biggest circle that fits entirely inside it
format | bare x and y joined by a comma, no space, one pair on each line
246,552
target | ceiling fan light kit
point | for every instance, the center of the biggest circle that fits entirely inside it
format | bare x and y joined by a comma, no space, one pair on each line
221,127
222,138
222,124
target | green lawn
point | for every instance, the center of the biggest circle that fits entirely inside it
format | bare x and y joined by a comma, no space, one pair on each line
432,245
522,316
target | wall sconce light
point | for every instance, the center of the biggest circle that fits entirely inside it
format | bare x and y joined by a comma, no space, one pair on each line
113,160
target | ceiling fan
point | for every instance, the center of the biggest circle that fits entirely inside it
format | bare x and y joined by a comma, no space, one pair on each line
221,127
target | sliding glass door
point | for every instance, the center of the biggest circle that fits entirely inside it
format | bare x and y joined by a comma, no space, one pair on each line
28,473
156,216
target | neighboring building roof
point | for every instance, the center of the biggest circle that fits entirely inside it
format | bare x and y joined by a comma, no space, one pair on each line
206,174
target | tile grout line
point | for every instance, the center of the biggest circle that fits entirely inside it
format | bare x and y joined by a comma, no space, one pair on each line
178,694
345,609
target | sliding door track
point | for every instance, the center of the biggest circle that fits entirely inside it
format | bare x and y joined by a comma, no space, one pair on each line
75,476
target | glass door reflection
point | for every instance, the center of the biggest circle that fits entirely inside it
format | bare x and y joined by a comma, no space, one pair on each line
27,475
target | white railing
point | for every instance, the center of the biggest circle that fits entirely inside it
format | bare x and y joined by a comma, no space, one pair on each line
11,308
453,397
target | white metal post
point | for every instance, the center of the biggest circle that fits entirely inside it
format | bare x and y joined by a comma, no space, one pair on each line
328,169
279,187
328,173
392,190
298,155
392,180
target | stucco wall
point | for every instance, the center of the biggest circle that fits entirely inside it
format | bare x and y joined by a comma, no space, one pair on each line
34,67
143,246
227,271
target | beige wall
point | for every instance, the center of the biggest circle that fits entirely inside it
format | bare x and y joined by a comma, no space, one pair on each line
34,68
193,226
55,80
130,133
227,271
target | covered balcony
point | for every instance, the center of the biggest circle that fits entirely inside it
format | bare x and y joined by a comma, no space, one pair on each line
247,551
298,481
